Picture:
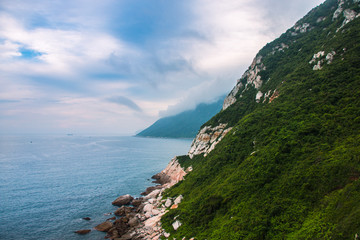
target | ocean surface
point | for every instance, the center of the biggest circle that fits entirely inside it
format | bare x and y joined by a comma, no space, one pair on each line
49,183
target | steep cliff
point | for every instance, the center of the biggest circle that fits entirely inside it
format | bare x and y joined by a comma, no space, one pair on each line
260,84
281,159
207,138
172,174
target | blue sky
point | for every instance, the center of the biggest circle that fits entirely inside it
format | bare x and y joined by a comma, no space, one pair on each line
116,66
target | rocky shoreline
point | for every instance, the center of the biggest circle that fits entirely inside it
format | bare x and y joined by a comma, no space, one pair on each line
139,218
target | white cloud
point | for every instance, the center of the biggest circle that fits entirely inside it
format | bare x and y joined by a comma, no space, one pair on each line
65,52
9,49
235,30
232,32
66,87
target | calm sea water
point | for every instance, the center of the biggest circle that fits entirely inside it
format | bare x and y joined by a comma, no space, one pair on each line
49,183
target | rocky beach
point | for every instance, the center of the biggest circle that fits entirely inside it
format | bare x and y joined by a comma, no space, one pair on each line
139,218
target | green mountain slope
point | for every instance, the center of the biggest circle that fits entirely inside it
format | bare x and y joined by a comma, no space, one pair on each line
290,166
185,124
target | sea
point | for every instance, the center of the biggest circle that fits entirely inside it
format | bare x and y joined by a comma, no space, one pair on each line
48,184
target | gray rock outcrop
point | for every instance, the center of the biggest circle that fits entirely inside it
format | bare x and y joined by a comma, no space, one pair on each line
83,231
104,227
251,77
123,210
176,225
172,174
122,200
207,138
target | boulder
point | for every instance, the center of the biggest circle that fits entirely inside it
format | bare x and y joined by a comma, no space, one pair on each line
153,194
123,210
122,225
152,222
168,202
111,219
83,231
131,215
178,199
176,225
87,218
123,200
104,227
148,208
127,236
174,206
150,189
140,207
155,212
133,222
137,202
112,233
161,178
148,215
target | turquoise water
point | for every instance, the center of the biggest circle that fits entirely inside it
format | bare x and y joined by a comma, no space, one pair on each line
49,183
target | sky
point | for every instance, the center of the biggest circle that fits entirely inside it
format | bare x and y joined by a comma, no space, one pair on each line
113,67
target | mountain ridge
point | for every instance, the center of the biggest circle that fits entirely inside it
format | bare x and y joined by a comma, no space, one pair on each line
185,124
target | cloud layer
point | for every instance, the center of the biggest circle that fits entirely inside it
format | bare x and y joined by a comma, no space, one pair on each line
111,67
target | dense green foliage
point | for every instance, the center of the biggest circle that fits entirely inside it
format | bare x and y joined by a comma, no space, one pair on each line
289,169
185,124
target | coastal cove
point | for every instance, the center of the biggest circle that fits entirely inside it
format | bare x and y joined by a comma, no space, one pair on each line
49,183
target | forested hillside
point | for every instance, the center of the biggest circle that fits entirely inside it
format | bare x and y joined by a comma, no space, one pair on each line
289,166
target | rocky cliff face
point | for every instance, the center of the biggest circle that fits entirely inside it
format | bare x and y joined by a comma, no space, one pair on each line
251,78
207,138
172,174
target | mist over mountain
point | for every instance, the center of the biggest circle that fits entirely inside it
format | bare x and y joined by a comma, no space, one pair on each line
185,124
